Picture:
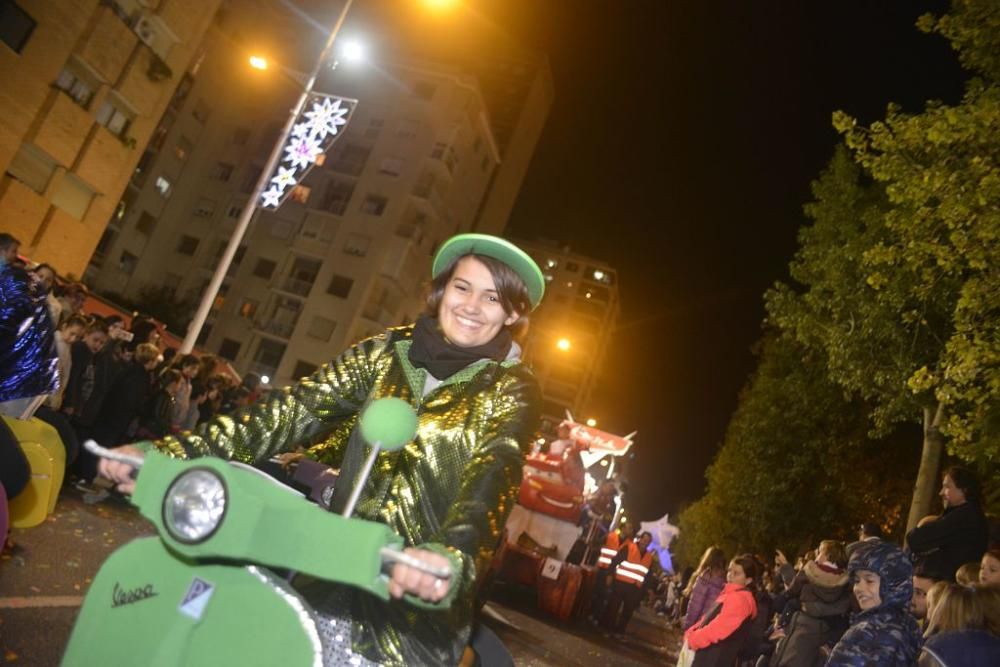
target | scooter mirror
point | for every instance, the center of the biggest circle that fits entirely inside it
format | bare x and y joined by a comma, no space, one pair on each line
389,423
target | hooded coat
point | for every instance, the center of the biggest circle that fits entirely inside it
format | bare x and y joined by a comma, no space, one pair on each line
887,635
824,594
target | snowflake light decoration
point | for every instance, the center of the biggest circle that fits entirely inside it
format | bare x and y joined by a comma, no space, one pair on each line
312,134
326,117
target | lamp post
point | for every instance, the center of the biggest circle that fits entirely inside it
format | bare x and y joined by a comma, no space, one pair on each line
208,298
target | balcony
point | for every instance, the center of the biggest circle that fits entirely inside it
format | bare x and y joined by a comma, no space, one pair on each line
294,286
279,328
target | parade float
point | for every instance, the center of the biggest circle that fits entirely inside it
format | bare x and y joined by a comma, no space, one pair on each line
551,533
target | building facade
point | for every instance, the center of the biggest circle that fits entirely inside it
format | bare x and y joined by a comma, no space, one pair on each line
351,254
82,86
572,330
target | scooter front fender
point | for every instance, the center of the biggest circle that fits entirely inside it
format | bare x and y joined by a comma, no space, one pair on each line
148,606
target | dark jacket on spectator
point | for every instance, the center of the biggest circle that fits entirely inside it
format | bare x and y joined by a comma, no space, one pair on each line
89,381
124,402
962,648
957,537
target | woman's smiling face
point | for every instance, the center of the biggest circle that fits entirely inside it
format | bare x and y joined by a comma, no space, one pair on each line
470,313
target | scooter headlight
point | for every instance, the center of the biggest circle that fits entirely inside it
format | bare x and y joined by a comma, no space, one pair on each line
194,506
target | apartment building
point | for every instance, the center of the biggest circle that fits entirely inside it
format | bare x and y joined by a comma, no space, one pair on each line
572,330
82,86
346,257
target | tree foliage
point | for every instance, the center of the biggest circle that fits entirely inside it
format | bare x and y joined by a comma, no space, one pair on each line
796,465
894,302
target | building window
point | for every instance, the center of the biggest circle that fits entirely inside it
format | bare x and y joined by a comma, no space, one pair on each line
321,328
357,245
76,84
201,111
103,246
423,89
145,223
229,348
73,196
188,245
205,208
127,262
264,268
269,354
16,26
374,204
350,159
183,148
391,166
303,369
233,212
241,135
163,186
340,286
33,167
337,196
114,118
222,171
302,275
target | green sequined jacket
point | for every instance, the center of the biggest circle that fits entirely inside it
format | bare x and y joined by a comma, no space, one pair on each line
450,490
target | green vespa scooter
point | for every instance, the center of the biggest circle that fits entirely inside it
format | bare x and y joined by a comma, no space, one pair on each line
202,592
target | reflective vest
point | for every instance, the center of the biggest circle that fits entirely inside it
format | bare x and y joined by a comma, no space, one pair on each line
608,551
633,569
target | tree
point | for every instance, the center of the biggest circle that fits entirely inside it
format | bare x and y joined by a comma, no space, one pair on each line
899,279
796,465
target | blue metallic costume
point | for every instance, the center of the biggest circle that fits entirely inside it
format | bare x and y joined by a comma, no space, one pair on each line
28,358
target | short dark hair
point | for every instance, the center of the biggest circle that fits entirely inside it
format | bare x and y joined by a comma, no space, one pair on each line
6,241
964,479
750,568
511,290
871,529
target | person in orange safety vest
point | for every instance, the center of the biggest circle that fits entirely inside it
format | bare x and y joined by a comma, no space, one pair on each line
603,584
632,563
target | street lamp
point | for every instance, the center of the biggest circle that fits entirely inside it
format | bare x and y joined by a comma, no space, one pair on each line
265,179
564,344
591,422
258,62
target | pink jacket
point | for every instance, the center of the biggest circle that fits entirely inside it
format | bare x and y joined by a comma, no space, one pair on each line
738,605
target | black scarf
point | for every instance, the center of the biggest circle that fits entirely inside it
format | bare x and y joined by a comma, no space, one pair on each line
442,359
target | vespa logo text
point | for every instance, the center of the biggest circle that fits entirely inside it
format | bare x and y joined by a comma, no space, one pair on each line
121,597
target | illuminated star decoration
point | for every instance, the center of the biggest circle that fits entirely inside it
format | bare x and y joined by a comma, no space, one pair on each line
312,134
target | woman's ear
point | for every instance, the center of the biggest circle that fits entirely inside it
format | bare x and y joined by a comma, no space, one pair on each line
514,317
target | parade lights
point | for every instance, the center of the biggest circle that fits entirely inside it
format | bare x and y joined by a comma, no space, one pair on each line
258,62
564,344
591,422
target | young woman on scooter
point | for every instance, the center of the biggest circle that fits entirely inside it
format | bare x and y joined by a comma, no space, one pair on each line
448,492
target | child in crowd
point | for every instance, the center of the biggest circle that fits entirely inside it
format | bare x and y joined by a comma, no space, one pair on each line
70,331
989,568
883,633
964,628
705,585
822,597
718,636
968,574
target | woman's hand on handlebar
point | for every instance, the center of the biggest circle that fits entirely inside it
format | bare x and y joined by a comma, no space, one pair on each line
427,587
118,472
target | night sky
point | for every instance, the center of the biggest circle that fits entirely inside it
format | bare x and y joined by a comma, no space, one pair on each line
680,148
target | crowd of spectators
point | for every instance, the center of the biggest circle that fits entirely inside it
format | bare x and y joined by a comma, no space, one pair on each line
935,601
94,377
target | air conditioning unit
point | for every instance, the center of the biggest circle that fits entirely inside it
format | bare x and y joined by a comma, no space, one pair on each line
147,31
